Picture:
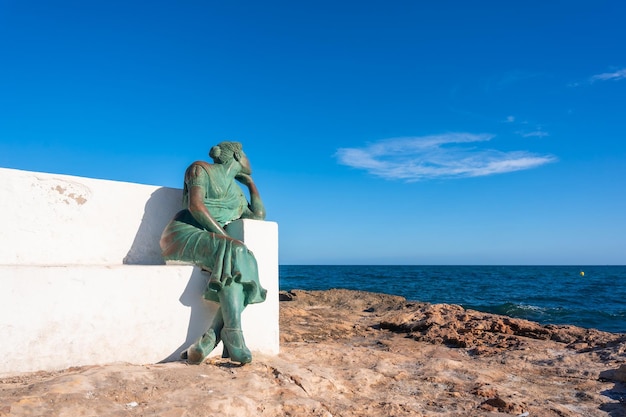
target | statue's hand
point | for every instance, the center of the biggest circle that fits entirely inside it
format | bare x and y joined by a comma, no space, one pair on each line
245,179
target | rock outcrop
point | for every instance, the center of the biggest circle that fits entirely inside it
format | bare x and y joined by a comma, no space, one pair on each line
349,353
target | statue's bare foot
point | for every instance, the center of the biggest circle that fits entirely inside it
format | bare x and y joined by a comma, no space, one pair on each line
196,353
235,346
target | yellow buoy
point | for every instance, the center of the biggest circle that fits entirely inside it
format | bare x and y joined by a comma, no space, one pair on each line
582,273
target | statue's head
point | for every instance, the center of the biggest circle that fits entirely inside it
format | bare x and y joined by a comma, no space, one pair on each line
224,152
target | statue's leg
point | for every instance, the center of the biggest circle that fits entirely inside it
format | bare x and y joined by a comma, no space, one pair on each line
196,353
232,303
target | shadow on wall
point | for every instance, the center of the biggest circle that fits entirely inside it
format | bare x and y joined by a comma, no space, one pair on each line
160,208
202,312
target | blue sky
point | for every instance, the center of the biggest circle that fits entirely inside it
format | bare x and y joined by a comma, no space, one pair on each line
404,132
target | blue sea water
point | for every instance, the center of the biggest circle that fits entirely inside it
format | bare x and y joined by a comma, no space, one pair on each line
546,294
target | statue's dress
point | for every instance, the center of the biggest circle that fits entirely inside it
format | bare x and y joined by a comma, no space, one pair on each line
185,240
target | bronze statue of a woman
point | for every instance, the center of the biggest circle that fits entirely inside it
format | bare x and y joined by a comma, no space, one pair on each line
211,199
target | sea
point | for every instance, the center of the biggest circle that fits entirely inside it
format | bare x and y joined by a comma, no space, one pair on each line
585,296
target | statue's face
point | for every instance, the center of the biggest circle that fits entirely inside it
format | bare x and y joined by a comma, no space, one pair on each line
245,164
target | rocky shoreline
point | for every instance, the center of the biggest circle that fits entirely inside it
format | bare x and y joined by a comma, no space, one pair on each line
351,353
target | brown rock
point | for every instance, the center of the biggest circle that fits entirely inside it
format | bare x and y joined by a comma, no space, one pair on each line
352,354
620,373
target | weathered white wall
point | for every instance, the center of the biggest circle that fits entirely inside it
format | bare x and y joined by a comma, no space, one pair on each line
61,316
52,219
82,280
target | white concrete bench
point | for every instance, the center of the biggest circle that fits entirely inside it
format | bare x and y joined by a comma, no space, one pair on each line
82,280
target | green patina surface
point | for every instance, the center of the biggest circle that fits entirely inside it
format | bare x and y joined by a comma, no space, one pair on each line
212,198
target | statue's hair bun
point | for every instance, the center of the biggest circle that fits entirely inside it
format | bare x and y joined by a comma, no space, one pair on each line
215,152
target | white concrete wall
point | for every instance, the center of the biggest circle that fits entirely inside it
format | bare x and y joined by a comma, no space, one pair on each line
82,280
52,219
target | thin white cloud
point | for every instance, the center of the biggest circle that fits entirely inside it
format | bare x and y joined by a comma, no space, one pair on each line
534,134
607,76
438,156
510,119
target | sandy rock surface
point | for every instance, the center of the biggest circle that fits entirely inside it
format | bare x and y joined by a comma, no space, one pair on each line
348,353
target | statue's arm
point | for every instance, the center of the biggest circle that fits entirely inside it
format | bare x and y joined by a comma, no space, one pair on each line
200,213
196,177
256,209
